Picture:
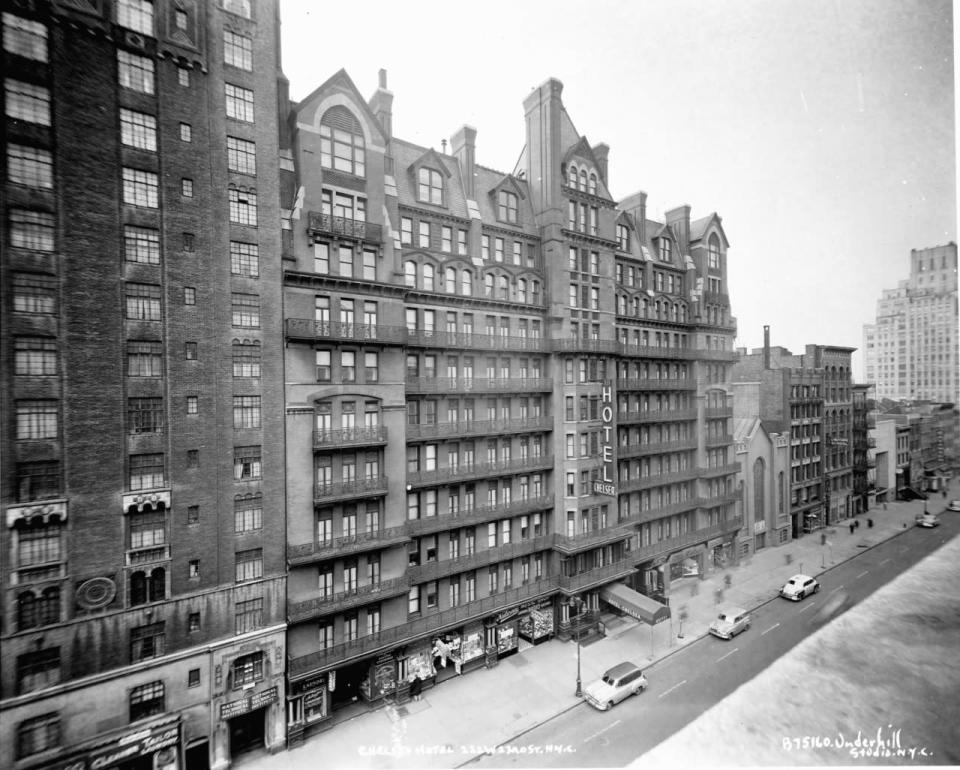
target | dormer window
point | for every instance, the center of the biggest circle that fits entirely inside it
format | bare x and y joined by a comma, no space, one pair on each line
714,253
623,238
665,250
592,189
507,206
583,180
341,142
430,187
572,177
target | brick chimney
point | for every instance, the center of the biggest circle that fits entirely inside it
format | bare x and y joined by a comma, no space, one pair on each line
463,145
679,221
766,347
381,105
543,109
601,151
636,206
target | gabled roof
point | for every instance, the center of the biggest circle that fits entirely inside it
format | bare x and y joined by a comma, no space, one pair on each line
583,149
341,80
432,159
699,227
486,181
406,156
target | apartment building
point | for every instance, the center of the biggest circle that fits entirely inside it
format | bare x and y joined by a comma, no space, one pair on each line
910,351
143,617
507,399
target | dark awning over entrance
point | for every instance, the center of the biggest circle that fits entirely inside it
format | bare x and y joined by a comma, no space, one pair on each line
634,604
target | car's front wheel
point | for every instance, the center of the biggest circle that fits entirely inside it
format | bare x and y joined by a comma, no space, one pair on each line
816,588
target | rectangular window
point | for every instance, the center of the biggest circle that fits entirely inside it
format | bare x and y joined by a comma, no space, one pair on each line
37,670
145,359
241,156
142,302
145,415
140,188
246,412
36,420
138,129
244,259
147,700
249,564
35,356
237,50
424,237
243,207
247,465
246,359
446,238
247,513
26,101
183,76
186,132
146,472
29,166
247,669
135,72
141,244
33,230
239,103
136,15
36,294
38,734
24,37
245,310
249,615
147,642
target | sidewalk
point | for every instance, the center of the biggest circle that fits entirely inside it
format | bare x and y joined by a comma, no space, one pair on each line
466,716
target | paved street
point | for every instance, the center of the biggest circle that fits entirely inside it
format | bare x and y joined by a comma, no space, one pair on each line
487,710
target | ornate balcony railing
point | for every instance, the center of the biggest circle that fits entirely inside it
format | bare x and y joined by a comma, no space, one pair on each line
328,224
438,569
721,470
479,427
638,450
652,351
632,485
656,415
465,472
575,583
574,543
343,600
469,340
434,622
337,489
358,436
715,412
718,439
478,384
644,383
305,553
477,515
653,550
309,329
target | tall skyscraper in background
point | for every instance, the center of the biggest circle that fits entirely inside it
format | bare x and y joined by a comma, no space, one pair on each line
910,351
142,398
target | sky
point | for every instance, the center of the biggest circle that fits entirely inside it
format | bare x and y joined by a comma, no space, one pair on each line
822,132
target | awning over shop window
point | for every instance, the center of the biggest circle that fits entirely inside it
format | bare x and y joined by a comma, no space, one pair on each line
636,605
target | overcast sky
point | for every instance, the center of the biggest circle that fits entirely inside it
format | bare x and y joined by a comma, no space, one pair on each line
821,131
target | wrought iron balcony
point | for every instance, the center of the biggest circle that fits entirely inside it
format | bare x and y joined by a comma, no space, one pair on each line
721,470
343,600
632,485
614,533
466,472
578,344
670,545
438,569
435,622
571,584
477,515
719,439
327,491
644,383
716,412
639,450
310,329
307,553
328,224
359,436
479,384
652,351
656,415
479,427
468,340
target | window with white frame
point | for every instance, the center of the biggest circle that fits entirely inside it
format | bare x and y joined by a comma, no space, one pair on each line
239,103
237,50
135,72
507,206
243,207
430,186
241,155
245,310
247,463
244,259
140,188
142,302
136,15
342,146
24,37
138,129
249,565
31,230
29,166
141,244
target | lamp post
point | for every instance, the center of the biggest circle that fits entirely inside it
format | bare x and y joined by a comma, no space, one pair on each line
578,603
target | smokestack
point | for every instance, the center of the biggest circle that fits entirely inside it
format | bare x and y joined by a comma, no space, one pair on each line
463,147
381,105
766,347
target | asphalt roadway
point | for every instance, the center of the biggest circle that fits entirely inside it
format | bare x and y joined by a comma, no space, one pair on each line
700,675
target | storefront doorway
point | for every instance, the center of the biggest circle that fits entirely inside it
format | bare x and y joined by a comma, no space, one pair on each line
348,679
247,732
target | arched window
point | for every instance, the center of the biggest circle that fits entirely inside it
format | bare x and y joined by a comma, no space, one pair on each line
341,142
621,304
158,585
27,611
138,589
780,492
583,179
450,280
503,287
522,290
428,273
635,306
410,274
683,313
535,292
466,283
759,473
593,184
50,606
713,245
572,176
488,285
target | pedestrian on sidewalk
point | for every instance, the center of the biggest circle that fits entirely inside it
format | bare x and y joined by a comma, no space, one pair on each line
856,524
416,687
851,527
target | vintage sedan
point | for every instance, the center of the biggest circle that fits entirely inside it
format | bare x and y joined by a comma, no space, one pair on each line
619,682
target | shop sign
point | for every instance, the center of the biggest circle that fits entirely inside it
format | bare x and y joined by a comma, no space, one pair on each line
311,699
136,745
536,604
310,683
715,542
759,527
605,485
250,703
505,615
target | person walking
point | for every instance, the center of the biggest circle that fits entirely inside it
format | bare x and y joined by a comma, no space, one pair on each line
416,687
851,527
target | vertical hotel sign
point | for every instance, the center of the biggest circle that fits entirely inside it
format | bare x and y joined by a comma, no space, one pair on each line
604,485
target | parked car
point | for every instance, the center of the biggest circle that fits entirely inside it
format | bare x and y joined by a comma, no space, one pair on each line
953,505
799,586
619,682
927,520
730,622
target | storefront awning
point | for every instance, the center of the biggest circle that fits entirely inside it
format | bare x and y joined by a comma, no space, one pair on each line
634,604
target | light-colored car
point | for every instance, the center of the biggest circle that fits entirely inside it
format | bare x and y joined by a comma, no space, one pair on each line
799,586
927,520
730,622
619,682
953,505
